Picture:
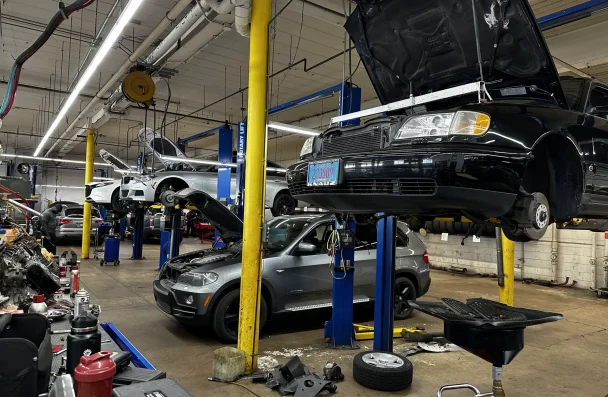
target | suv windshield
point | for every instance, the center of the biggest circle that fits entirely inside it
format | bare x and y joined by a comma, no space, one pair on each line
283,231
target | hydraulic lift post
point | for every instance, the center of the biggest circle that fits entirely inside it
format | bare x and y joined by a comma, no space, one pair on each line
506,290
176,231
385,284
339,329
224,175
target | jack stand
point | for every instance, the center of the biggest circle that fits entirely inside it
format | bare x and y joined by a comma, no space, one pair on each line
339,331
138,233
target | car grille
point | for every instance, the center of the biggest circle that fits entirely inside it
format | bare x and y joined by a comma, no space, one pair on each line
87,190
172,274
401,186
163,306
139,192
351,143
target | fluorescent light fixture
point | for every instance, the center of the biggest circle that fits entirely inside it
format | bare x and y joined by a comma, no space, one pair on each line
99,178
50,159
197,161
291,128
276,169
107,44
62,186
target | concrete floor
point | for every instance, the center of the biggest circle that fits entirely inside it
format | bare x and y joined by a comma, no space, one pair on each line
563,358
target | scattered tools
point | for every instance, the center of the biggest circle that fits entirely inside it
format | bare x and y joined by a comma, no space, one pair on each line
430,347
421,335
295,378
331,371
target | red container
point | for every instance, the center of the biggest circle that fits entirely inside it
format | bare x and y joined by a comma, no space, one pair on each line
94,374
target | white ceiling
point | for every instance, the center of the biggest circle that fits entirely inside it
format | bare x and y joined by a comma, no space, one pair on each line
302,31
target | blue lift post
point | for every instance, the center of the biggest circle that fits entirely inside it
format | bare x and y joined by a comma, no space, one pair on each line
176,231
165,248
240,166
138,233
385,284
224,155
339,331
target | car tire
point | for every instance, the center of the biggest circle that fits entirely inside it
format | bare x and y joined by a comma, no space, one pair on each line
383,371
117,205
534,233
401,309
283,204
230,302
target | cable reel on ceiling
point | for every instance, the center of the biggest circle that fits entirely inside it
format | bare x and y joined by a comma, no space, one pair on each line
139,87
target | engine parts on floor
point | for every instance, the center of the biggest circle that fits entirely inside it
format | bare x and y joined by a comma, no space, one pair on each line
295,378
383,371
333,372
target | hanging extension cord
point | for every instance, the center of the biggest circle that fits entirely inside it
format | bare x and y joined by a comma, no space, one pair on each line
335,243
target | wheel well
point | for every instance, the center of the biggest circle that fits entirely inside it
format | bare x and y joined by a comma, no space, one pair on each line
410,277
178,184
237,285
554,156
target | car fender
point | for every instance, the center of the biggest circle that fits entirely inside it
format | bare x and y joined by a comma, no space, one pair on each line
235,283
565,134
155,183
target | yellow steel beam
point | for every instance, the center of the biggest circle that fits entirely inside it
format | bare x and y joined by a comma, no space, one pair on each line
88,177
506,292
251,273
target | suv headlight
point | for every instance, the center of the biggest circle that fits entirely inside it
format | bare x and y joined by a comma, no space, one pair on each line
307,148
197,279
442,124
143,178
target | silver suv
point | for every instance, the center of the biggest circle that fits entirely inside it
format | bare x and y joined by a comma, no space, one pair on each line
202,288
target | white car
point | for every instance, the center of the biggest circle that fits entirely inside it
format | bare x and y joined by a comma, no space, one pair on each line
107,193
181,175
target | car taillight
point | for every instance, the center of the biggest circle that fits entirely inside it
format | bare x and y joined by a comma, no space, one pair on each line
425,258
99,221
65,221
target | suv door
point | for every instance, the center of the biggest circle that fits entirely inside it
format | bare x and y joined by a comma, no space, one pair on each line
598,97
306,275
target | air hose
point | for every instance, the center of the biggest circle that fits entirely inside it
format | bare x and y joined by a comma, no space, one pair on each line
60,16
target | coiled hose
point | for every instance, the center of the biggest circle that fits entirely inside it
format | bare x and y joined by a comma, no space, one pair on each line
60,16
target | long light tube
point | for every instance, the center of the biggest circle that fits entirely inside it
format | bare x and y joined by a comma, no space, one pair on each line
211,162
108,43
62,186
50,159
273,125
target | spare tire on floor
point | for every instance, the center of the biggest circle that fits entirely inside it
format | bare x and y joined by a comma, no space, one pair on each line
382,371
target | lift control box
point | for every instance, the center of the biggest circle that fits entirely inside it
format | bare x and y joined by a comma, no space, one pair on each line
347,239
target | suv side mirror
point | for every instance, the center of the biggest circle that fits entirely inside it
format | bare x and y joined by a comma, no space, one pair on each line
306,248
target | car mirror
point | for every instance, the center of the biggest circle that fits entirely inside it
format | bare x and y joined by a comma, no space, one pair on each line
306,248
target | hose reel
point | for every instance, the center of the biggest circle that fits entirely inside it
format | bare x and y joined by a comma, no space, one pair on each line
138,87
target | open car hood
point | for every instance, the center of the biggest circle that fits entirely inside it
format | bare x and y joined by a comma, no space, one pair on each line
430,45
227,224
115,162
161,146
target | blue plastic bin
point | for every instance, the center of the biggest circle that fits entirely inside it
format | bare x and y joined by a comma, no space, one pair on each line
111,250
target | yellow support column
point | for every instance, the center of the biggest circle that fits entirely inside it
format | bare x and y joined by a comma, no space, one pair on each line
506,293
88,177
251,274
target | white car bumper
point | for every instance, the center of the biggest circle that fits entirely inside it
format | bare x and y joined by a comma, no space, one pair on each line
102,194
137,191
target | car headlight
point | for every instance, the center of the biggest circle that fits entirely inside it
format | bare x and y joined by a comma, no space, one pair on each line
442,124
143,178
307,148
197,279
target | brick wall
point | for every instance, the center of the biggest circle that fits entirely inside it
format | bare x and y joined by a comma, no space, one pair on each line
532,260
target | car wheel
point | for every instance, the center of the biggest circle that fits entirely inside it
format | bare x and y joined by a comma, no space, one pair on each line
542,218
404,291
383,371
283,204
225,319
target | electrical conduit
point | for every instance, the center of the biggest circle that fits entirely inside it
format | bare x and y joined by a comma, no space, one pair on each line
155,34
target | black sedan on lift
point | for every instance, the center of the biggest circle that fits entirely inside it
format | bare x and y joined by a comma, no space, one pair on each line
533,152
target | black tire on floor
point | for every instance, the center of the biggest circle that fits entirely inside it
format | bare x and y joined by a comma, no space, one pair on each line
429,227
231,301
393,377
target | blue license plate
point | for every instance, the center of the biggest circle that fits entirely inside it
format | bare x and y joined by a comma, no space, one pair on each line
324,174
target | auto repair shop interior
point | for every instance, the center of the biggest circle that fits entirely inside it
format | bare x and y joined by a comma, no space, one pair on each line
303,197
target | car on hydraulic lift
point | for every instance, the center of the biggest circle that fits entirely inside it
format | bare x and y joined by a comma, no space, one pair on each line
532,152
201,288
107,193
177,175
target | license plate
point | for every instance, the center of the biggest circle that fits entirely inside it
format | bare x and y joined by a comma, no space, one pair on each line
325,173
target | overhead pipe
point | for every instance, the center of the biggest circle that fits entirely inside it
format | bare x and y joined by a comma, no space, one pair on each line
155,34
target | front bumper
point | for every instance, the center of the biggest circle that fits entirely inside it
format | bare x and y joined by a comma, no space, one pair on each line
419,181
173,301
72,233
137,191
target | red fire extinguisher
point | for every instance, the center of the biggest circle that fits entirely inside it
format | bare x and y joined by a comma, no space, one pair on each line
94,374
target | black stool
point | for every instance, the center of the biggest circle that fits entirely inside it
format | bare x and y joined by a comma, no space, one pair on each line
488,329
